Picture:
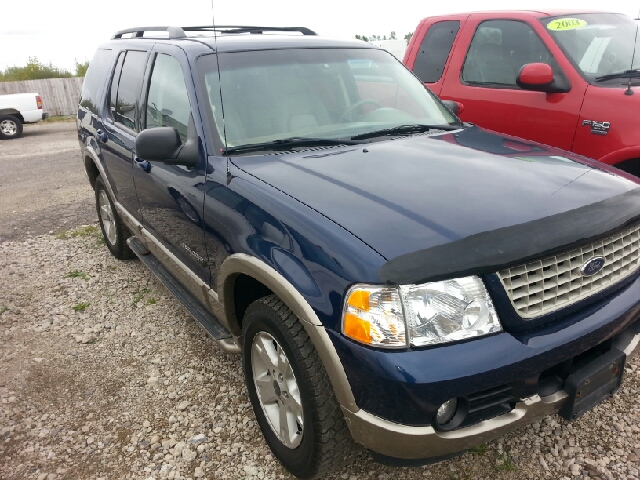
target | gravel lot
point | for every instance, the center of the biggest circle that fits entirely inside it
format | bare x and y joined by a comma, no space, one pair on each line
105,375
42,186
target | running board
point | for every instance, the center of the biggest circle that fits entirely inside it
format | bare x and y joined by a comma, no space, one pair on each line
212,326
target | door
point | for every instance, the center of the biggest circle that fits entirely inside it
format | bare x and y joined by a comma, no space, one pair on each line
432,54
170,200
120,127
483,79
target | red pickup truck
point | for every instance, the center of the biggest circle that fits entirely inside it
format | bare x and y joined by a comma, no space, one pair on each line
567,79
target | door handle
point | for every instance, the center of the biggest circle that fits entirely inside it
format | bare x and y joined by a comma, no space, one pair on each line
102,136
143,164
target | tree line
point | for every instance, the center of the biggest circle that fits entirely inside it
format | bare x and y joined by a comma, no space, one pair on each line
376,38
36,70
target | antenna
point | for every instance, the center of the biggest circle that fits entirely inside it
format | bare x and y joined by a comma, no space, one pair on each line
628,91
224,127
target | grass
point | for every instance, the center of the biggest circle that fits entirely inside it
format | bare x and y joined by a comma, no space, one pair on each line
77,274
60,118
139,295
80,307
86,231
151,301
479,450
4,309
507,465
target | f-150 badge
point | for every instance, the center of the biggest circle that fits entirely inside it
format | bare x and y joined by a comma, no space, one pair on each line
597,128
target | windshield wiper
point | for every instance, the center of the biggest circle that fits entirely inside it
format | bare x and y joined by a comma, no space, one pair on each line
635,73
287,143
404,130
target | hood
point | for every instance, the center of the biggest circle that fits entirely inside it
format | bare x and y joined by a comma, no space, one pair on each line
458,202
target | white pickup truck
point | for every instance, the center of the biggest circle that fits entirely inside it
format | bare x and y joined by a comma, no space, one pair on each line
17,109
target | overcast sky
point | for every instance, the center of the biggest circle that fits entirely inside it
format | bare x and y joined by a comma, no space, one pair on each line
62,31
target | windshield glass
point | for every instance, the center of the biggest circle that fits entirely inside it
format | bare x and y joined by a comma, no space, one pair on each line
596,43
271,95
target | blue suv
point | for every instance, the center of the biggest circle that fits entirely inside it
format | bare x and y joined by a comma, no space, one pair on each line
392,277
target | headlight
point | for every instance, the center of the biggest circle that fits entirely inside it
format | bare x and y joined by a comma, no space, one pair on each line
373,316
428,314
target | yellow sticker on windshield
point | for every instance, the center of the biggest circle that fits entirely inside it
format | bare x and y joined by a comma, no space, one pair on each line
562,24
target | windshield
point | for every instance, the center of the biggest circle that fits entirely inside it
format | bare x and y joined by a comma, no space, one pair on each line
596,43
271,95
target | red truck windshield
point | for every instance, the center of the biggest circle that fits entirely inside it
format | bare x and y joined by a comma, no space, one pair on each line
597,44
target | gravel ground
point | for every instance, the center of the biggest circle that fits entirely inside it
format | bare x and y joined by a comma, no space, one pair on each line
105,376
43,187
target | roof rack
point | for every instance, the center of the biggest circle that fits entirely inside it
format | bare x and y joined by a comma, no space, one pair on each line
174,32
179,32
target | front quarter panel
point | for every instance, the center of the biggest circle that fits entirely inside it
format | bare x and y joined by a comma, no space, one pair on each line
316,256
611,105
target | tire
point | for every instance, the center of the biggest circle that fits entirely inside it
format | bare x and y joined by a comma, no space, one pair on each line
10,127
115,232
325,442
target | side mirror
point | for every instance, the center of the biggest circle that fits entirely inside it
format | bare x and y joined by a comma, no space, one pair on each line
456,107
539,77
163,144
158,144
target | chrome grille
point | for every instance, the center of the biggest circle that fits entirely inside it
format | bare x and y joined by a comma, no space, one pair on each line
544,286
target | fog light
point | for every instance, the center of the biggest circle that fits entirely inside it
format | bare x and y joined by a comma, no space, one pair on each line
446,411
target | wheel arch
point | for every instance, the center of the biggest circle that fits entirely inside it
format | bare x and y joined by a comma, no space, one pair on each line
13,112
616,157
91,170
240,271
630,165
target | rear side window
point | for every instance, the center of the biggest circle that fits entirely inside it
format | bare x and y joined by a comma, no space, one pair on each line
498,51
94,79
434,50
168,100
126,97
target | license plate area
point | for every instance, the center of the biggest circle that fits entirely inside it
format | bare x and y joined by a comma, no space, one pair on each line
592,383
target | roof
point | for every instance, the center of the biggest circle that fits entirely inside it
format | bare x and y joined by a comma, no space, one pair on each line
532,13
226,41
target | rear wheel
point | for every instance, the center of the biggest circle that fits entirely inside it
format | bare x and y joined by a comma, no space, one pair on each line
290,391
10,127
114,231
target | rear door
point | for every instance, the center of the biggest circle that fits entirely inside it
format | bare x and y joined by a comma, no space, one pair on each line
436,41
170,200
482,76
117,138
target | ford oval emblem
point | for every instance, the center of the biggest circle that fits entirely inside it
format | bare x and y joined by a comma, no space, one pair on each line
592,266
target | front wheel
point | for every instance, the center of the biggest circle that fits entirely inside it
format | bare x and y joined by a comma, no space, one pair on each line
10,127
114,231
290,392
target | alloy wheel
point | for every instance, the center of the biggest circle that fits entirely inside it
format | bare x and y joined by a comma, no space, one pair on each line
277,389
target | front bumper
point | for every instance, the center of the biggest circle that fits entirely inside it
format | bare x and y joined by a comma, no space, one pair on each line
397,393
410,442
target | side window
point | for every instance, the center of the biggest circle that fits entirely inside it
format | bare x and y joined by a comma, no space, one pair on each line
126,99
434,50
113,92
94,79
168,100
498,51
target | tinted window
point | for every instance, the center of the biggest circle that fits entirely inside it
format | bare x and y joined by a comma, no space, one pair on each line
129,88
434,50
113,92
94,78
498,51
168,100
